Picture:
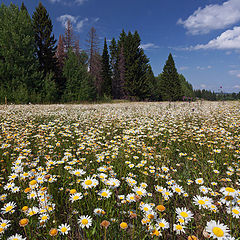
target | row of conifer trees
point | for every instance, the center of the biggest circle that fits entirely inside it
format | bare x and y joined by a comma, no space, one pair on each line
35,68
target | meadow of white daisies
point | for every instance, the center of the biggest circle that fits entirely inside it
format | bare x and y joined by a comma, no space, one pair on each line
120,171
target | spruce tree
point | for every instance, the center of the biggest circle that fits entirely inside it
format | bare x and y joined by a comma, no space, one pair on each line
170,83
19,75
136,64
45,41
106,72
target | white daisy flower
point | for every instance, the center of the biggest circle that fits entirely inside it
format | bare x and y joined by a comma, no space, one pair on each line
85,221
162,224
76,196
8,208
217,230
64,229
105,193
16,237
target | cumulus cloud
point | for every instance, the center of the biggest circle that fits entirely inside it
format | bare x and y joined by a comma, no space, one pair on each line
148,46
237,86
212,17
80,24
64,18
77,22
229,39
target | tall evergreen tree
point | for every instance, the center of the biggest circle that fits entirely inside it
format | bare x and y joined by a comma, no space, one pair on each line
45,40
136,64
106,72
19,75
170,83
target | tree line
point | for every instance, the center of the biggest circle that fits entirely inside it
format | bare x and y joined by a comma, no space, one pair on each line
35,67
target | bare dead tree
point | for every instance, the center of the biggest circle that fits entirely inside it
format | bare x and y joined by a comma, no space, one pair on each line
68,39
94,61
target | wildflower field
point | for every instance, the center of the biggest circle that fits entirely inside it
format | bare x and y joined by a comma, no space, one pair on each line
120,171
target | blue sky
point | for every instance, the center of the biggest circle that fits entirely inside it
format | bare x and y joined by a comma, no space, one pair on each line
202,35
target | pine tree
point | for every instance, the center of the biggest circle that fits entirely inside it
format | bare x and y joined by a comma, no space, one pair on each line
45,41
170,83
136,64
106,72
19,75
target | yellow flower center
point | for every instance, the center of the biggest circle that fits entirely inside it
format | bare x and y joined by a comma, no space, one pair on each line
33,182
228,189
145,209
167,193
177,189
88,182
139,192
3,225
104,194
218,232
161,224
77,173
201,202
150,216
184,214
64,229
84,221
1,229
9,208
235,211
75,197
44,218
179,227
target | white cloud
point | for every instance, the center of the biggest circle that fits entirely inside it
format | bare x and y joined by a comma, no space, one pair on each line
80,24
77,24
237,86
229,39
148,46
211,17
64,18
203,86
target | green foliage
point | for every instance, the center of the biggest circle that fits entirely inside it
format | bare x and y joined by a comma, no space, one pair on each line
46,48
170,85
49,88
19,73
79,85
106,72
187,89
136,66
